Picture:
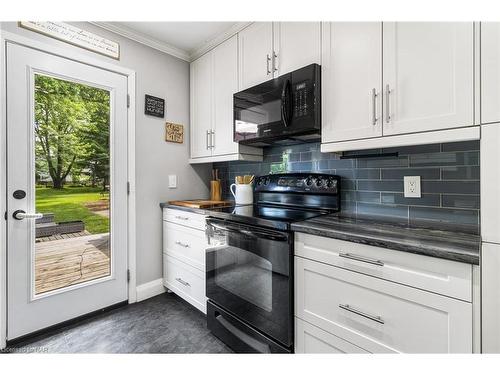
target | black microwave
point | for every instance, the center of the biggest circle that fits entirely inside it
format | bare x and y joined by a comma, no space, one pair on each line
284,110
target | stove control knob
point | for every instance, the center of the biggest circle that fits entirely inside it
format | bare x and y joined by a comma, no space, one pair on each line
309,181
261,181
319,182
267,181
332,184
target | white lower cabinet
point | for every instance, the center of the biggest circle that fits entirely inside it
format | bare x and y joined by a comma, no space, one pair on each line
343,307
490,293
184,245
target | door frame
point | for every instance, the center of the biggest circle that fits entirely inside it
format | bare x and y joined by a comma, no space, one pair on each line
8,37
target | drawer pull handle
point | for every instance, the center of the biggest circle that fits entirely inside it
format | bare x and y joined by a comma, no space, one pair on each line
185,283
181,244
182,218
377,319
360,258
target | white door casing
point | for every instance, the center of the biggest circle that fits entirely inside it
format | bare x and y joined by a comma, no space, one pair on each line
429,72
26,312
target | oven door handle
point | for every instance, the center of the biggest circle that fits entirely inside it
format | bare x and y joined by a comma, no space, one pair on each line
250,341
250,232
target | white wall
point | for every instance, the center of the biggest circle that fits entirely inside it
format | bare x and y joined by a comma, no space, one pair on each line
167,77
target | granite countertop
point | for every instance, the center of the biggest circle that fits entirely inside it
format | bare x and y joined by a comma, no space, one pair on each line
443,244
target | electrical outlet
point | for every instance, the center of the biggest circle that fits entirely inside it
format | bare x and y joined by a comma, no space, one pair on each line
172,181
412,187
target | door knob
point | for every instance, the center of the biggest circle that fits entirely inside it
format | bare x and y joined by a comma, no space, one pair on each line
20,215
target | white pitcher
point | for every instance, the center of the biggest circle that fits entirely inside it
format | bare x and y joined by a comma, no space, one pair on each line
242,193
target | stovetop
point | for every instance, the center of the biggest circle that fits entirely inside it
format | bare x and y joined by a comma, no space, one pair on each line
272,216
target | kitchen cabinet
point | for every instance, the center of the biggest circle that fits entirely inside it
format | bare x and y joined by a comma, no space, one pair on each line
214,80
490,72
352,297
428,76
490,295
490,183
184,245
270,49
351,81
256,60
427,86
296,44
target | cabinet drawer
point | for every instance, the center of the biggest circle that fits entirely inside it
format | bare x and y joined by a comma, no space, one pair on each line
379,315
311,340
186,244
441,276
188,219
186,281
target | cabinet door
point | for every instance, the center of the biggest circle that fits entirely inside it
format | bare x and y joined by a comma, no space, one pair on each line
201,106
255,45
296,44
490,72
352,81
490,296
225,58
429,70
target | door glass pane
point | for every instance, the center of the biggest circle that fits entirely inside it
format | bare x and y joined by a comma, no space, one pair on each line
72,191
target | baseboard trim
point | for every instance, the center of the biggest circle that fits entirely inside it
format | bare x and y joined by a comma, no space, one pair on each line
150,289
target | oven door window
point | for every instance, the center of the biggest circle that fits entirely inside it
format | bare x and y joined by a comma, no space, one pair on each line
248,274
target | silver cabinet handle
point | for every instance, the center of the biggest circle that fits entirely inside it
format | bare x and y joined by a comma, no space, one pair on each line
21,215
374,107
208,140
375,318
182,218
275,65
387,104
268,60
360,258
181,244
185,283
212,139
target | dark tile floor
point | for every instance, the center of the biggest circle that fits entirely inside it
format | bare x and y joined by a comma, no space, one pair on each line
162,324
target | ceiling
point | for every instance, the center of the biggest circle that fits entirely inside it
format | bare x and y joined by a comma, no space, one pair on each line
183,39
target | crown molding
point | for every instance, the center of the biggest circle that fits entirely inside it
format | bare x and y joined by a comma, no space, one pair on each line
218,39
169,49
144,39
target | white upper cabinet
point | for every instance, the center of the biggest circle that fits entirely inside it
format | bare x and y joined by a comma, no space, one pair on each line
296,44
490,72
214,80
351,80
255,54
428,76
225,73
201,106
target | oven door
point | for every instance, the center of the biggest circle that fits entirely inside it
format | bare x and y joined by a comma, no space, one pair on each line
249,274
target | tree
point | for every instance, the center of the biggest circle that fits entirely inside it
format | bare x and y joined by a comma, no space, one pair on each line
71,128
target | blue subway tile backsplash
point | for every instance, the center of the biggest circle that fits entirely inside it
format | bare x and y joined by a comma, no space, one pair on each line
374,185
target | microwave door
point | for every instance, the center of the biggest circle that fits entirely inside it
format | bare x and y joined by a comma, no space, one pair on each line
286,103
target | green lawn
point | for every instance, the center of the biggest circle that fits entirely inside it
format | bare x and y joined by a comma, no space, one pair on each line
68,205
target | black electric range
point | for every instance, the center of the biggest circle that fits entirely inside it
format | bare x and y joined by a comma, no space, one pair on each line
249,261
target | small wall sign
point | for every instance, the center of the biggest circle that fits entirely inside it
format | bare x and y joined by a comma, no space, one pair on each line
154,106
76,36
174,133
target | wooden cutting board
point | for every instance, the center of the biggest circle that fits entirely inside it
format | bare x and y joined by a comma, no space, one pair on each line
201,203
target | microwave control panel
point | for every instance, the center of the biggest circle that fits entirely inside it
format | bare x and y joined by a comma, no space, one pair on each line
301,92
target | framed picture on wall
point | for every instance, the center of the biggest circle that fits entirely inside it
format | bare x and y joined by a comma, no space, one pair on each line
154,106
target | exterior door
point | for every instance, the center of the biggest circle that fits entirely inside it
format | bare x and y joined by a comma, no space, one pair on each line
352,103
66,159
428,76
255,54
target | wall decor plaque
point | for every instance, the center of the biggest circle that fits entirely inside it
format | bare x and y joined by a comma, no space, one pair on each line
154,106
75,36
174,132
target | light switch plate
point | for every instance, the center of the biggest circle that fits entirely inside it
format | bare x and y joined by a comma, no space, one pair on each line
172,181
412,187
